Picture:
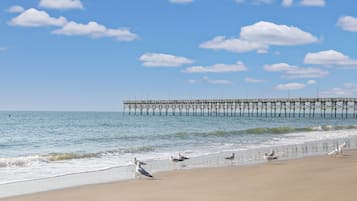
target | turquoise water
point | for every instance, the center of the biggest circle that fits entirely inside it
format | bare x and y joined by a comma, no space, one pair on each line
46,144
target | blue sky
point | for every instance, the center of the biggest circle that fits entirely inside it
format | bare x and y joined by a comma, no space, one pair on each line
86,55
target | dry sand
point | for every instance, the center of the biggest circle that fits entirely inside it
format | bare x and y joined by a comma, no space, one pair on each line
316,178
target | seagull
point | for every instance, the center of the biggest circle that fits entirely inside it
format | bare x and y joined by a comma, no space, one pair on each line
334,152
230,157
341,147
176,159
141,171
272,153
182,157
137,161
270,156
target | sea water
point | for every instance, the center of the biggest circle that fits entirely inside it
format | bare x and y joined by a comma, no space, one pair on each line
39,145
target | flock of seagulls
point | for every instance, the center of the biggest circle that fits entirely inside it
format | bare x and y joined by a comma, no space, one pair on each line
270,156
338,150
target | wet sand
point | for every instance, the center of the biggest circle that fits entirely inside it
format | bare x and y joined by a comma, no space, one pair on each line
309,179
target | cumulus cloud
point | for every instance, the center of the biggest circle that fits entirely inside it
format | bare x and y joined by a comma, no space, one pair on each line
181,1
313,3
163,60
311,82
348,23
217,68
287,3
95,30
290,86
293,72
273,34
253,80
259,36
35,18
330,58
61,4
15,9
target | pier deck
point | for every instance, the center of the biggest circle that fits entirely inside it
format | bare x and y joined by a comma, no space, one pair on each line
270,107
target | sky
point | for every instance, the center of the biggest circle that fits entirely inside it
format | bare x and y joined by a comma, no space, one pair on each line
85,55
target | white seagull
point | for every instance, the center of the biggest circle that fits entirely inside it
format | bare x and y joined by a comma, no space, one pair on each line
137,161
141,171
270,156
180,156
176,159
230,157
334,152
341,147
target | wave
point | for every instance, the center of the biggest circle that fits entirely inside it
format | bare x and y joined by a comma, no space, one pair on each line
56,157
261,131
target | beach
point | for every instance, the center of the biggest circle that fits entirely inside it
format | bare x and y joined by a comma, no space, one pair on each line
310,179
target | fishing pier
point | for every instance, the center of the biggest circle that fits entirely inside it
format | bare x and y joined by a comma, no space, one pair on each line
270,107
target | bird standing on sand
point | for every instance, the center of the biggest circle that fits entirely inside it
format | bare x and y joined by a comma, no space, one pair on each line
141,171
334,152
230,157
341,147
270,156
173,159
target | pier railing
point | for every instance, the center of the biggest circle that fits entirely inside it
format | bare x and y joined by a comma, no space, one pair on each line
270,107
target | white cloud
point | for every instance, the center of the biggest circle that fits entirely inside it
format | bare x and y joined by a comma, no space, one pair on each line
233,45
274,34
259,37
3,49
217,68
313,3
348,90
348,23
290,86
293,72
192,81
278,67
61,4
95,30
205,79
15,9
253,80
163,60
287,3
330,58
240,1
311,82
224,82
36,18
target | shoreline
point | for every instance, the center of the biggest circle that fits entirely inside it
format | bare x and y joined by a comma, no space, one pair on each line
304,178
247,158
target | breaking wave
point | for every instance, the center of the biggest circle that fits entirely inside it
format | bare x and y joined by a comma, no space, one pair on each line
261,131
53,157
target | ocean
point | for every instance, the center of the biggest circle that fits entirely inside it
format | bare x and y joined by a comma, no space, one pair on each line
38,145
